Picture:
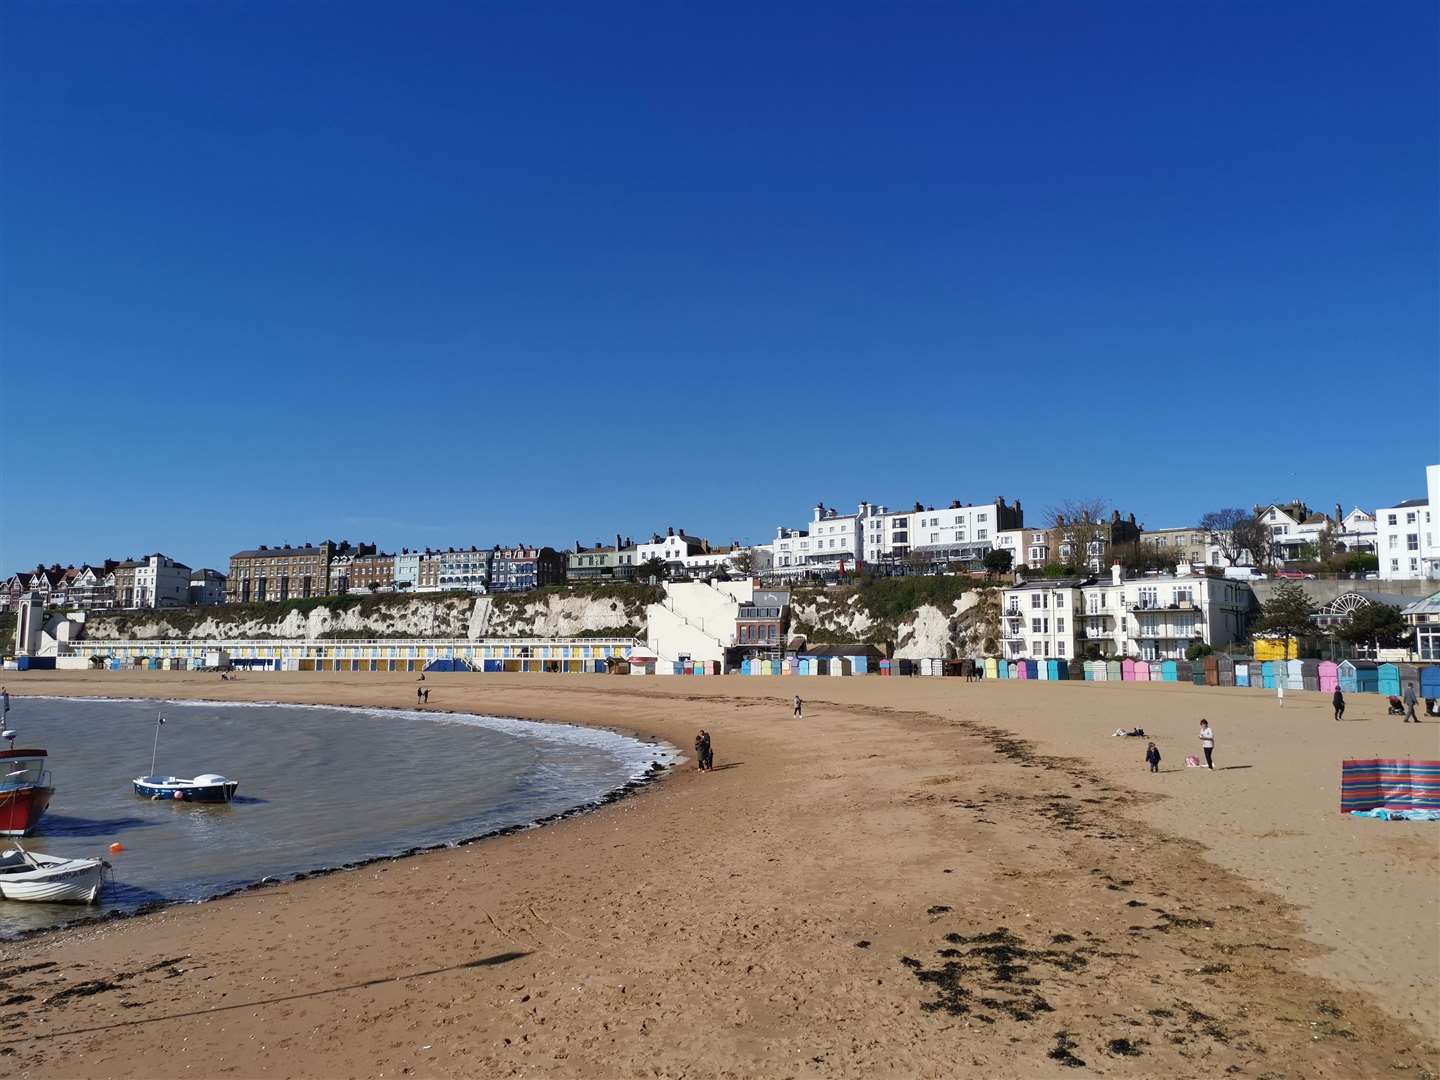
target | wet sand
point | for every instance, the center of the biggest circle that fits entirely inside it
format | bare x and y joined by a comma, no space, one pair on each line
922,877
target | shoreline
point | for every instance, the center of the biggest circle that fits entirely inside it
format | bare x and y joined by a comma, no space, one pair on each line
654,773
918,875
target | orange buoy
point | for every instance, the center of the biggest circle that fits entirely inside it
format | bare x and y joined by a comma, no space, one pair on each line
116,848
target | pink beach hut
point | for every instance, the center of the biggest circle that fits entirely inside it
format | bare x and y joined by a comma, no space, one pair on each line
1329,676
1022,670
1127,670
1142,671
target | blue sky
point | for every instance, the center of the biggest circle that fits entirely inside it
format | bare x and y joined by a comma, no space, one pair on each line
474,273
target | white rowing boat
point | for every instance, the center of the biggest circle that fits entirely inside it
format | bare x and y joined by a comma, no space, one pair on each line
49,879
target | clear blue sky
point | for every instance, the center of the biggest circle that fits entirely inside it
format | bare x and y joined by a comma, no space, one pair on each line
438,274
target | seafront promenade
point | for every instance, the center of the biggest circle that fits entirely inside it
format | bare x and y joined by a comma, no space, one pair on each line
921,877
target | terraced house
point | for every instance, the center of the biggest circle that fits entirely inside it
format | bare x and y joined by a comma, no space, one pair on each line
285,572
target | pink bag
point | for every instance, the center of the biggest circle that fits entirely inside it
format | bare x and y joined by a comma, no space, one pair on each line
1191,761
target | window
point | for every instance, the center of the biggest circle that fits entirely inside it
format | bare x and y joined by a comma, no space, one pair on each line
1394,540
1414,564
1394,563
1410,518
1412,542
1391,519
1035,600
1059,626
1035,626
1060,648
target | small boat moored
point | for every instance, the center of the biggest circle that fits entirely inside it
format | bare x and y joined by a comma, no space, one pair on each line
49,879
206,788
25,788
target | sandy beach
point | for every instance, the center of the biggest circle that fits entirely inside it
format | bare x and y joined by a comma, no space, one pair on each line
921,877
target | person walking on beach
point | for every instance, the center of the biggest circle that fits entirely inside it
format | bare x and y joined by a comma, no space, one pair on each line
419,695
1152,755
1207,742
1338,701
796,713
427,695
703,756
1409,699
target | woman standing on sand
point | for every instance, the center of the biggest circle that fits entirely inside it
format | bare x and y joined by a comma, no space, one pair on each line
1207,742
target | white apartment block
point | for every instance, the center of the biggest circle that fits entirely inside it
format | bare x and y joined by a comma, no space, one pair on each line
1040,620
674,547
1405,540
161,582
1159,616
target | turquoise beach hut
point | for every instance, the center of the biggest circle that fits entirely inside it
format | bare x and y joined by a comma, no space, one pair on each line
1267,674
1390,679
1168,672
1053,670
1359,677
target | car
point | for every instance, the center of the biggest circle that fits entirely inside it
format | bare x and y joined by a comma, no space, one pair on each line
1294,575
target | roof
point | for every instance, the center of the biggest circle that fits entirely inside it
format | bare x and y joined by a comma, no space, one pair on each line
265,553
1316,519
1409,503
1429,605
1052,583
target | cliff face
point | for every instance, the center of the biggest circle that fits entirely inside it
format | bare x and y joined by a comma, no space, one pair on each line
616,612
939,629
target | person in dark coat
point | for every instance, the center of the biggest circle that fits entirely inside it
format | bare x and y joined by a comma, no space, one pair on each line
1338,701
1152,756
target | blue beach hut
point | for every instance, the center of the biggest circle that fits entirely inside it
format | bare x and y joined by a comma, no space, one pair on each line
1053,670
1430,682
1032,669
1267,674
1390,679
1242,673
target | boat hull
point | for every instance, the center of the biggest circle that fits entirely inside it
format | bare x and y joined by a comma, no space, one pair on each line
22,809
200,793
79,884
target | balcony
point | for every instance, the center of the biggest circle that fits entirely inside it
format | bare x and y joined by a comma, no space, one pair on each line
1168,633
1151,605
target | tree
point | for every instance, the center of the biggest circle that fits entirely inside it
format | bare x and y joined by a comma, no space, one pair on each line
1221,530
743,563
1056,570
1379,626
1078,523
1138,558
1287,613
1198,650
1361,562
1254,538
998,560
653,567
986,621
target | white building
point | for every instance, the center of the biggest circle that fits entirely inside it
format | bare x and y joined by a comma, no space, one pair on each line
1293,527
468,570
206,587
1040,620
407,571
672,549
1356,530
161,582
1405,540
1159,616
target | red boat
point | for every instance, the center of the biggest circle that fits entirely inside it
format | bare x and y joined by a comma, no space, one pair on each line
25,790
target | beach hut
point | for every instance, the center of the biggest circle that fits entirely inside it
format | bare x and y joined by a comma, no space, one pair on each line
1076,669
1212,670
1197,672
1310,674
1113,671
1184,671
1359,676
1143,672
1294,675
1329,676
1430,682
1002,669
1267,674
1043,669
1225,671
1242,672
1032,668
1409,677
991,667
1050,669
1390,679
1090,669
1127,670
1168,672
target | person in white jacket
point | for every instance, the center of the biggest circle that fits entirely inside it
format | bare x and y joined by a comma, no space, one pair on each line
1207,742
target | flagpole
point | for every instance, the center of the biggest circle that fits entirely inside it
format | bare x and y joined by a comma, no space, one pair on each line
156,748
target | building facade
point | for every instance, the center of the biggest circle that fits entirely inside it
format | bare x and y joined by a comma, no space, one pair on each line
518,568
603,562
285,572
1159,616
1405,540
465,569
156,581
759,620
1040,619
207,587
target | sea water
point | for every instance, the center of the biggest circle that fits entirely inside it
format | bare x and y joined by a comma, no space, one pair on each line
319,787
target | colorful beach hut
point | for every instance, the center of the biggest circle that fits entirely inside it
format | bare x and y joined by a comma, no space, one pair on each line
1143,672
1224,670
1267,674
1127,670
1168,671
1242,672
1051,670
1329,674
1114,671
1295,674
1032,669
1430,682
1043,669
1360,677
991,667
1390,679
1090,670
1197,672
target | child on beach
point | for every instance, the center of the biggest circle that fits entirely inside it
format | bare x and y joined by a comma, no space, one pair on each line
1152,755
1207,743
796,712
